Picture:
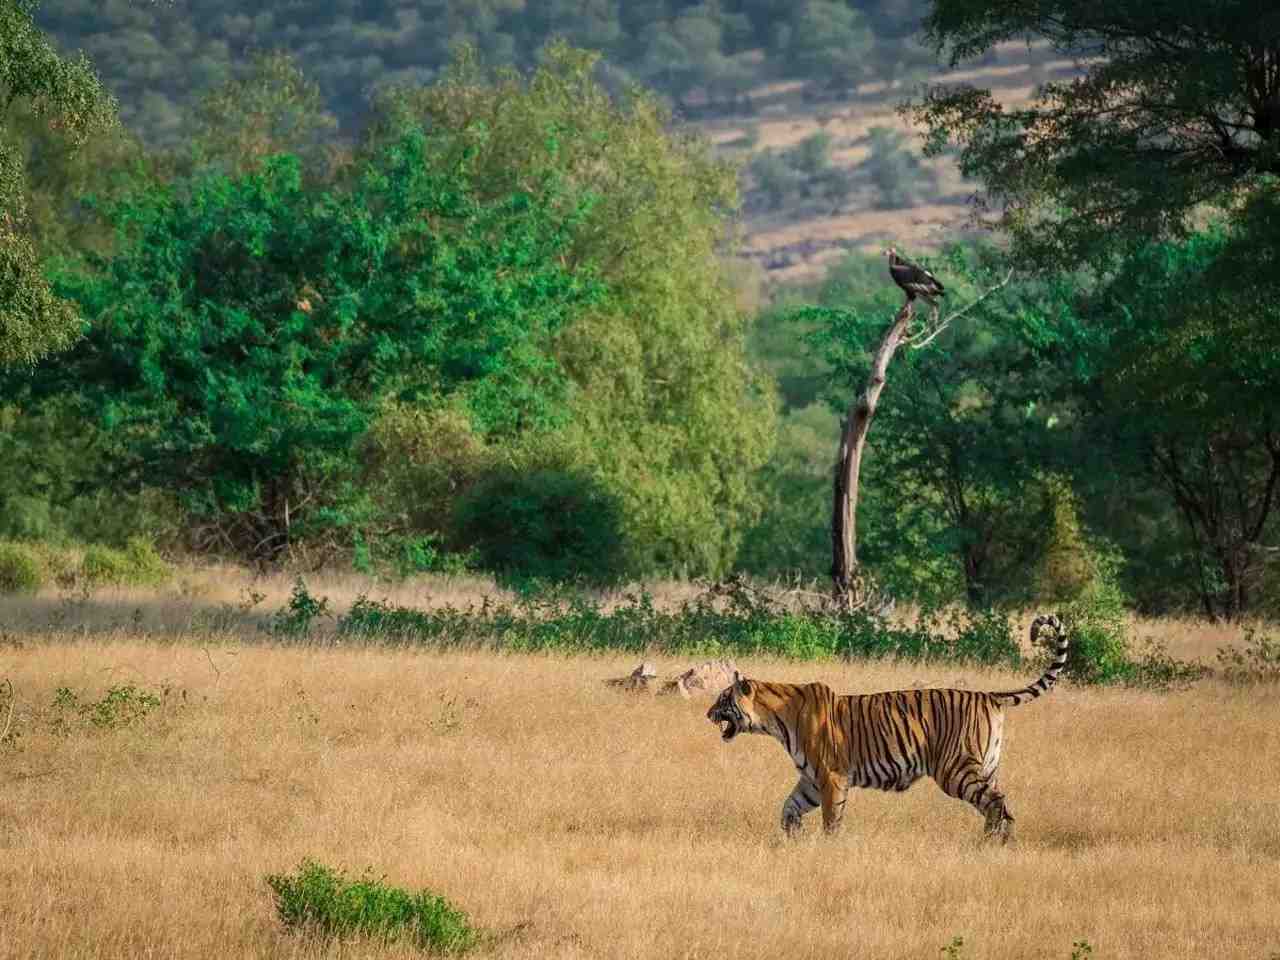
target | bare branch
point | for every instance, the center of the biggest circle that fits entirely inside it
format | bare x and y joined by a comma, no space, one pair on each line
941,325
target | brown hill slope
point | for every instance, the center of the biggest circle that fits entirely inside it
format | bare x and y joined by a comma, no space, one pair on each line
795,243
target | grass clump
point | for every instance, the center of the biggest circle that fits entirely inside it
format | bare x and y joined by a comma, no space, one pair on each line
1257,662
137,565
21,569
321,900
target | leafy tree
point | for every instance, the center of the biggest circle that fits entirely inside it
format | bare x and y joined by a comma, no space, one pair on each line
1180,377
964,428
829,39
666,410
246,330
547,523
897,174
803,173
792,535
1179,106
65,94
271,108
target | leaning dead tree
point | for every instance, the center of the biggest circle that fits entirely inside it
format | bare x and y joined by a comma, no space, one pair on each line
849,588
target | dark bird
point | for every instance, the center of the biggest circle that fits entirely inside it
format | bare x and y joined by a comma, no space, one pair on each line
914,279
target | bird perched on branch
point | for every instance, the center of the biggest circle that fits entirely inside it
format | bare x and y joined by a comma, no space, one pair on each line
914,279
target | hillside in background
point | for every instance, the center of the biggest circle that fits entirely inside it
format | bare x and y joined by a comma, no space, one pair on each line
802,95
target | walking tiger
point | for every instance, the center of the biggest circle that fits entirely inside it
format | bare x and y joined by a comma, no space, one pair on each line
885,740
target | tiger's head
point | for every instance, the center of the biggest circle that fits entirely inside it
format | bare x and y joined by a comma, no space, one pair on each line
737,709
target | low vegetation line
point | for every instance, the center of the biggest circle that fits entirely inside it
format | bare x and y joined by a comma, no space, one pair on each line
744,622
740,627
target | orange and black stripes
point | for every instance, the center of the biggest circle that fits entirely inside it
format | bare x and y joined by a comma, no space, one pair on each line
884,741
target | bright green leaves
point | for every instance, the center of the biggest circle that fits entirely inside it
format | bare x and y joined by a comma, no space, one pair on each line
665,409
248,328
64,94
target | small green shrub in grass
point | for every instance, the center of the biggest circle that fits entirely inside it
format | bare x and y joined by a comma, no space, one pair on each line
20,569
320,900
294,622
137,565
121,706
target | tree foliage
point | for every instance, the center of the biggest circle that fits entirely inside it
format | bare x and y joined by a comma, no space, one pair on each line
666,409
1181,376
701,55
271,108
246,330
1179,106
65,94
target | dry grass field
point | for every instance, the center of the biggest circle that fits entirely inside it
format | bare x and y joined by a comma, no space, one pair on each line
570,820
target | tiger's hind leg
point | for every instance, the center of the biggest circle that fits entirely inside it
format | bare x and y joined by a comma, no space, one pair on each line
971,785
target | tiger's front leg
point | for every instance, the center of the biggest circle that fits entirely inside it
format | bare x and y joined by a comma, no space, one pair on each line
804,798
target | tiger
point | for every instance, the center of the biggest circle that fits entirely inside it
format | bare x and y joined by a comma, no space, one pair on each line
885,741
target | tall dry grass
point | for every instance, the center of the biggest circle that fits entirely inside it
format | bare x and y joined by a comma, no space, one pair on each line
573,821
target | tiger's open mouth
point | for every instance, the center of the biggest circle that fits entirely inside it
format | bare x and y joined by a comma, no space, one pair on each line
724,719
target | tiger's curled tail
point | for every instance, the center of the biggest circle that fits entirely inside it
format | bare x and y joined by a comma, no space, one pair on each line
1013,698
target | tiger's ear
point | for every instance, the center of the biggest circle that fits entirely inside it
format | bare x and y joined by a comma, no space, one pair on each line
742,683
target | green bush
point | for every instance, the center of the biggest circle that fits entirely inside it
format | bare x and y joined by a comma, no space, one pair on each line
547,523
21,569
320,900
137,565
1155,669
1098,625
294,622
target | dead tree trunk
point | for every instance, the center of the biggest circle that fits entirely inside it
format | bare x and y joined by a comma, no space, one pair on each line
845,582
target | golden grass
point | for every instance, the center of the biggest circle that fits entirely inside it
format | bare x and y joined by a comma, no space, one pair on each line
573,821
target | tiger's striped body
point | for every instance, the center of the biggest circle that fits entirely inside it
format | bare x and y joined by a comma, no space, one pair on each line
886,741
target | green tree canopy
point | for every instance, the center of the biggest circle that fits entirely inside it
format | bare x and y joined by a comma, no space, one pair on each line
247,329
666,408
271,108
1180,375
961,439
65,94
1179,106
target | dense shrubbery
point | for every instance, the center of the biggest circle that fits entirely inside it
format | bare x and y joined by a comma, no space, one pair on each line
554,524
20,569
137,565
